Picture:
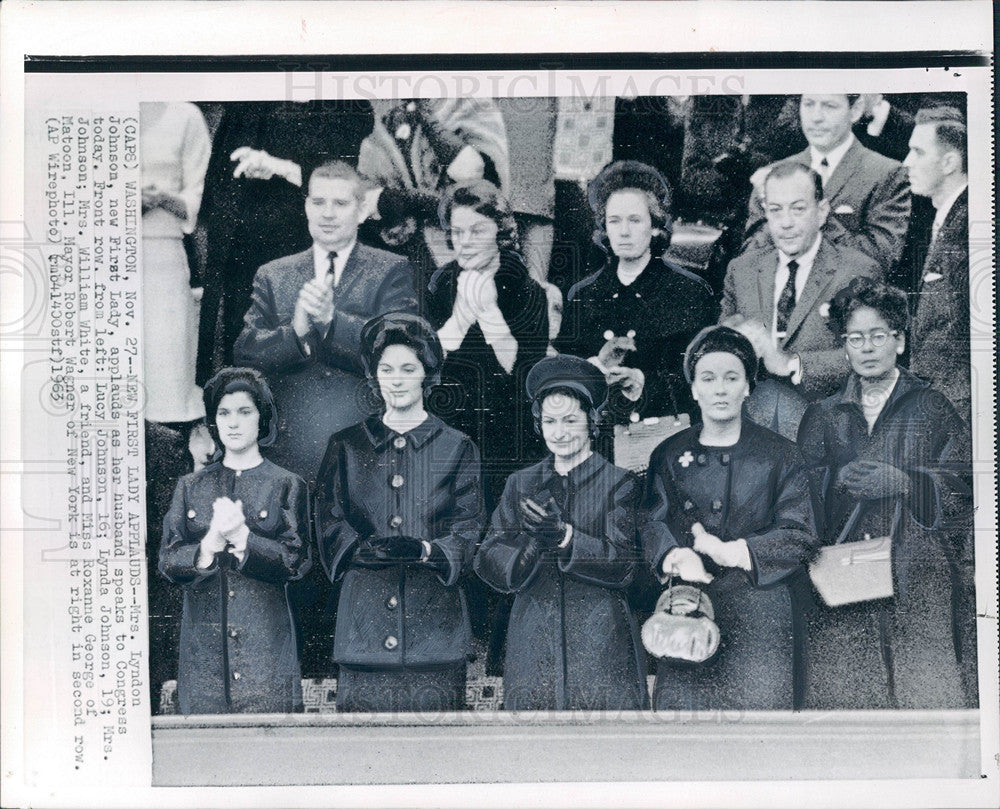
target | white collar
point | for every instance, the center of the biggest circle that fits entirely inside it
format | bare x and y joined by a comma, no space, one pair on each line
321,260
834,156
940,214
806,260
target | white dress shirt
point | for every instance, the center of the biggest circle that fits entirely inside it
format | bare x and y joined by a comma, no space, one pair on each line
321,261
833,158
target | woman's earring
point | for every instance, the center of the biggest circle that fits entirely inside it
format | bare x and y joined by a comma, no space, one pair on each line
899,349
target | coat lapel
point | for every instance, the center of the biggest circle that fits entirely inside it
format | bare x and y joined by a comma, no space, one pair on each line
953,235
849,164
354,269
820,277
766,271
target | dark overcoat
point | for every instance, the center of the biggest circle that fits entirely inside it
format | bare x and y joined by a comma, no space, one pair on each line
423,484
237,647
318,383
755,490
572,642
898,652
666,306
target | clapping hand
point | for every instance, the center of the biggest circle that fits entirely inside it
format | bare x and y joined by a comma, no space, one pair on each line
227,529
543,521
872,480
256,164
314,306
613,352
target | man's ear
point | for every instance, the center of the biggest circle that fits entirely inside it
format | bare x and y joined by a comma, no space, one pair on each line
824,210
951,162
857,109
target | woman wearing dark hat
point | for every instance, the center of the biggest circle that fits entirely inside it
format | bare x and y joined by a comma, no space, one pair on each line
399,511
235,533
727,506
889,457
635,316
563,539
490,316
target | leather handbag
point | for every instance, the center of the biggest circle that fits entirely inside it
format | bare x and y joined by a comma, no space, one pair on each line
853,572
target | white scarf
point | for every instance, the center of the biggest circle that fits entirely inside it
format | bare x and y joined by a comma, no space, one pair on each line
476,302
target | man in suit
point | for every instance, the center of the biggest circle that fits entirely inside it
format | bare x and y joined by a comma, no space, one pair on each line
939,334
868,194
304,323
303,331
779,295
940,331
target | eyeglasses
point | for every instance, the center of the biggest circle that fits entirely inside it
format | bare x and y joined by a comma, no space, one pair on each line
856,339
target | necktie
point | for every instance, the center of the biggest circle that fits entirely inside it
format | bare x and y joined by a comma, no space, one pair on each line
787,300
824,170
333,272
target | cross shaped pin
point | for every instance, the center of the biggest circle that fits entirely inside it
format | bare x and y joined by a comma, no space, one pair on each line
686,459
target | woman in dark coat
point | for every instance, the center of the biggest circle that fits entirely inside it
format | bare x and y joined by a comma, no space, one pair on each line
889,457
235,534
637,292
399,511
563,539
490,316
727,505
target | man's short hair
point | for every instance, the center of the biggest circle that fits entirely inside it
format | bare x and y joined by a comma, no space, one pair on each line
789,168
949,130
338,170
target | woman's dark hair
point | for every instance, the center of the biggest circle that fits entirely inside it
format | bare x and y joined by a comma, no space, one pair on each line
631,175
713,339
248,380
593,413
401,328
865,293
485,199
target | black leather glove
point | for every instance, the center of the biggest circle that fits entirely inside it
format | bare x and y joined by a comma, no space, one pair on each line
543,521
873,480
395,550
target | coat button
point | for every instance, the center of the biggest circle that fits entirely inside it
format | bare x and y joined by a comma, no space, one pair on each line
232,594
233,633
688,505
391,643
392,602
236,675
702,459
725,459
395,522
396,482
263,513
191,513
239,473
716,505
399,442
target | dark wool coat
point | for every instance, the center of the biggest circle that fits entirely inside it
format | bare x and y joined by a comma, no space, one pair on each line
237,647
572,642
666,306
898,652
477,396
754,490
423,484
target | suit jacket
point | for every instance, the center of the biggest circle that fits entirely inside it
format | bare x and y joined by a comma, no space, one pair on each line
749,291
869,196
939,334
318,383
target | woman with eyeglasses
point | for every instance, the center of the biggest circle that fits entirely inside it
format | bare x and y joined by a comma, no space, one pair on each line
889,458
490,316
